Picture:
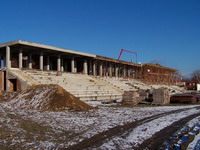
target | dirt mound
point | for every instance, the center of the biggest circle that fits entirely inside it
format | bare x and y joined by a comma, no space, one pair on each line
6,96
48,98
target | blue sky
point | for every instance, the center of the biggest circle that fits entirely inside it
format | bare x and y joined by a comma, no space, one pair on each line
165,30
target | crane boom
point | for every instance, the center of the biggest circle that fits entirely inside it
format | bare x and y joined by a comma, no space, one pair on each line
123,50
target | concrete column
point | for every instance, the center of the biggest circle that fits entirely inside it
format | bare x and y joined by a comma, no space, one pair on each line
94,68
85,67
101,69
58,63
48,66
106,70
90,67
20,59
116,71
119,71
129,72
41,60
110,70
75,66
30,61
8,64
124,71
62,66
72,65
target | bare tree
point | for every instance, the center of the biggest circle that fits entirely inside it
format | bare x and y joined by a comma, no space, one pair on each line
196,76
178,75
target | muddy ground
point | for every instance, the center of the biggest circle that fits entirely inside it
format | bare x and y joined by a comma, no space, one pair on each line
155,142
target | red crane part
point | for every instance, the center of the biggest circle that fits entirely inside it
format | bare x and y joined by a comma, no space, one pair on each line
123,50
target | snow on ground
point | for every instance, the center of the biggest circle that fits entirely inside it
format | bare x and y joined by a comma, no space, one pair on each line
181,138
195,144
145,131
47,130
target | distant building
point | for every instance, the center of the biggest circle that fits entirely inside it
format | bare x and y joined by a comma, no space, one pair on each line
191,85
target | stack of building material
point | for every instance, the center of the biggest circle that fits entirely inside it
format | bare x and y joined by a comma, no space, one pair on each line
133,97
161,96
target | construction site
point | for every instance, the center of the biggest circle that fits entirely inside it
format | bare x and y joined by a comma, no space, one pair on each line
86,76
54,98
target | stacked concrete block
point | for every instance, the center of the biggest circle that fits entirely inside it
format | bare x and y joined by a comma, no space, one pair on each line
161,96
133,97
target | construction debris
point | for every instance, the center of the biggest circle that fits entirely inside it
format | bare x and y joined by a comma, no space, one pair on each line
161,96
48,98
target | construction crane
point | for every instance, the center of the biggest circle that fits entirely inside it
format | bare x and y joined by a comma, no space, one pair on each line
123,50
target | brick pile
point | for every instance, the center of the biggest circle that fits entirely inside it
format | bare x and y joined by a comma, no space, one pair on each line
161,96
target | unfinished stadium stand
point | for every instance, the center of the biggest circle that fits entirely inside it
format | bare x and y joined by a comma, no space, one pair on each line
87,76
82,86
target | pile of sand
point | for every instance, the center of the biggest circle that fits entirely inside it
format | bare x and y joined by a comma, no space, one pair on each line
48,98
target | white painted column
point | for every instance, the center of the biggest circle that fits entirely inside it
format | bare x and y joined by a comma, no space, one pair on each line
58,63
30,61
85,67
20,59
72,65
101,69
94,68
8,63
41,60
48,66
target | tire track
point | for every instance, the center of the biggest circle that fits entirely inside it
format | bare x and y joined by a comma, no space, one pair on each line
160,137
99,139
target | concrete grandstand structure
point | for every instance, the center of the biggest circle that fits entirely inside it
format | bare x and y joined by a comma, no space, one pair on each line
87,76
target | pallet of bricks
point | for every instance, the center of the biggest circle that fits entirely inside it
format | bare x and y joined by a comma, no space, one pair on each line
133,97
161,96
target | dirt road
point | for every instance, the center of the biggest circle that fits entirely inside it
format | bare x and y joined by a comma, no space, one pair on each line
153,143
